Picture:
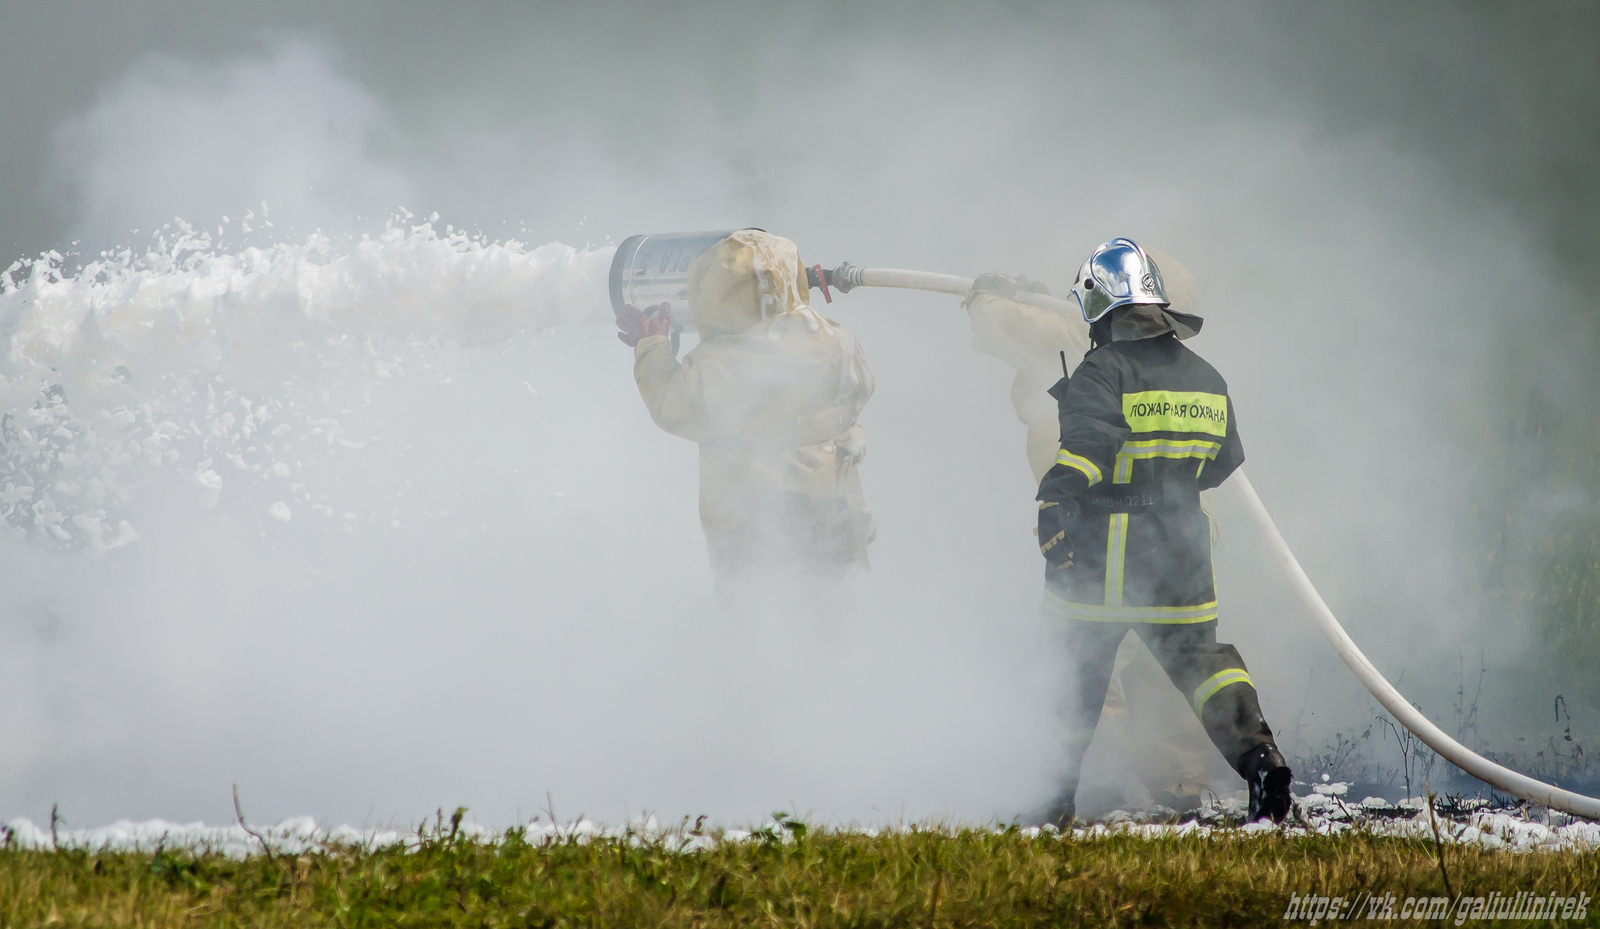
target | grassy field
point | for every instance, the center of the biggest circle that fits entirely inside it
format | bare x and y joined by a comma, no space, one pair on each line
802,878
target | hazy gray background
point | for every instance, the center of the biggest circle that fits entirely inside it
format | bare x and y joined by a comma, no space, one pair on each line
1389,211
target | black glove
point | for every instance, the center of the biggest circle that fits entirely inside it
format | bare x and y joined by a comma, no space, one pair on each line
1056,521
1003,285
1062,484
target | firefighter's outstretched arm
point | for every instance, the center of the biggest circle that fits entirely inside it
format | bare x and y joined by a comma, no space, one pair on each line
1092,432
671,391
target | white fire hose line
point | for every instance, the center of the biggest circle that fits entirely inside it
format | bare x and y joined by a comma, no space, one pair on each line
1518,785
919,280
960,287
949,284
1497,776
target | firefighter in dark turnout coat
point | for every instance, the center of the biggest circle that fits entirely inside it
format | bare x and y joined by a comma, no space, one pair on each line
1146,424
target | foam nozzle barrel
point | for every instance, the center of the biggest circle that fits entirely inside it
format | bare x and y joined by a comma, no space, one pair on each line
649,270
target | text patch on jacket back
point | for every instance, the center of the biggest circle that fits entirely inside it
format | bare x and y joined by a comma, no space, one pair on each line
1176,411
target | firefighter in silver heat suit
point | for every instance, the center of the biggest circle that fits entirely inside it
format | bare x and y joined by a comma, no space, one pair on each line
772,395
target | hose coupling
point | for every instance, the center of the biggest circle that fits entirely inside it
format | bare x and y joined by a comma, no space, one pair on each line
845,278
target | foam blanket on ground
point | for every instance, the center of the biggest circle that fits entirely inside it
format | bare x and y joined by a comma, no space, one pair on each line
1516,828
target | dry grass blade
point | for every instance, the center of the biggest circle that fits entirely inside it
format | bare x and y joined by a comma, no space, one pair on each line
265,845
1438,846
980,878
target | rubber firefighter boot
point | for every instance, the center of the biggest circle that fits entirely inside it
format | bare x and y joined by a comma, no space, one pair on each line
1269,779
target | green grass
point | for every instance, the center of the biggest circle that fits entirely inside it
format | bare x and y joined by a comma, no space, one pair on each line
820,878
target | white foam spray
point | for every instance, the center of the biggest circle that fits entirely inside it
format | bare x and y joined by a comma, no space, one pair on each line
172,359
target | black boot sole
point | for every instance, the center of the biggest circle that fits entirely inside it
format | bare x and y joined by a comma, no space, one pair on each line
1275,796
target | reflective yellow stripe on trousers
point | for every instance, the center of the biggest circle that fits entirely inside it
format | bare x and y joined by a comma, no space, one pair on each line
1094,613
1216,682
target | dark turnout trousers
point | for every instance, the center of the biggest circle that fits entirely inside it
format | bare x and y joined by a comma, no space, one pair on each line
1210,674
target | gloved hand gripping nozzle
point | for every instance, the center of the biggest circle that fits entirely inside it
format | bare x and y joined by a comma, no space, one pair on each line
635,324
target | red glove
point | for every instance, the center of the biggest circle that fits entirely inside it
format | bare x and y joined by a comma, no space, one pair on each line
660,323
637,324
631,322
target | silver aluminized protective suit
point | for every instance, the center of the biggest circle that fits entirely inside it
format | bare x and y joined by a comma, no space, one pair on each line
771,395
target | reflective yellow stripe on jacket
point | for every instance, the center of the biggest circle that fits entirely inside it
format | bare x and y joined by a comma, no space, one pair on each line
1148,411
1203,449
1116,558
1161,410
1090,469
1170,448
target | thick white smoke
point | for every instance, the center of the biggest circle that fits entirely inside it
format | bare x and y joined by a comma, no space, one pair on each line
276,519
478,576
211,143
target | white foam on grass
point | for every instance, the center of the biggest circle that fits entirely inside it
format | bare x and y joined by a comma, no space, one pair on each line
1488,829
1498,829
301,834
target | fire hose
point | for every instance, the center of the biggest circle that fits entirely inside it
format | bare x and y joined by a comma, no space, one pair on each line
648,268
848,277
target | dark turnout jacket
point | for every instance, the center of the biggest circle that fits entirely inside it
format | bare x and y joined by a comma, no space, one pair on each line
1146,424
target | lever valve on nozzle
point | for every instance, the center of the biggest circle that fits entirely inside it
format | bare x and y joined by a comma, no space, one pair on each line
844,278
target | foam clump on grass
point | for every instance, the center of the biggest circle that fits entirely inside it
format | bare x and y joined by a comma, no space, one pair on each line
291,837
1497,824
302,834
1461,822
1490,830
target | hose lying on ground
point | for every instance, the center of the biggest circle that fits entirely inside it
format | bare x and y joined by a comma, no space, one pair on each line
1518,785
848,277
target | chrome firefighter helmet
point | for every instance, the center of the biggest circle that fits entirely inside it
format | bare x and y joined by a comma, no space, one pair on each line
1117,273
